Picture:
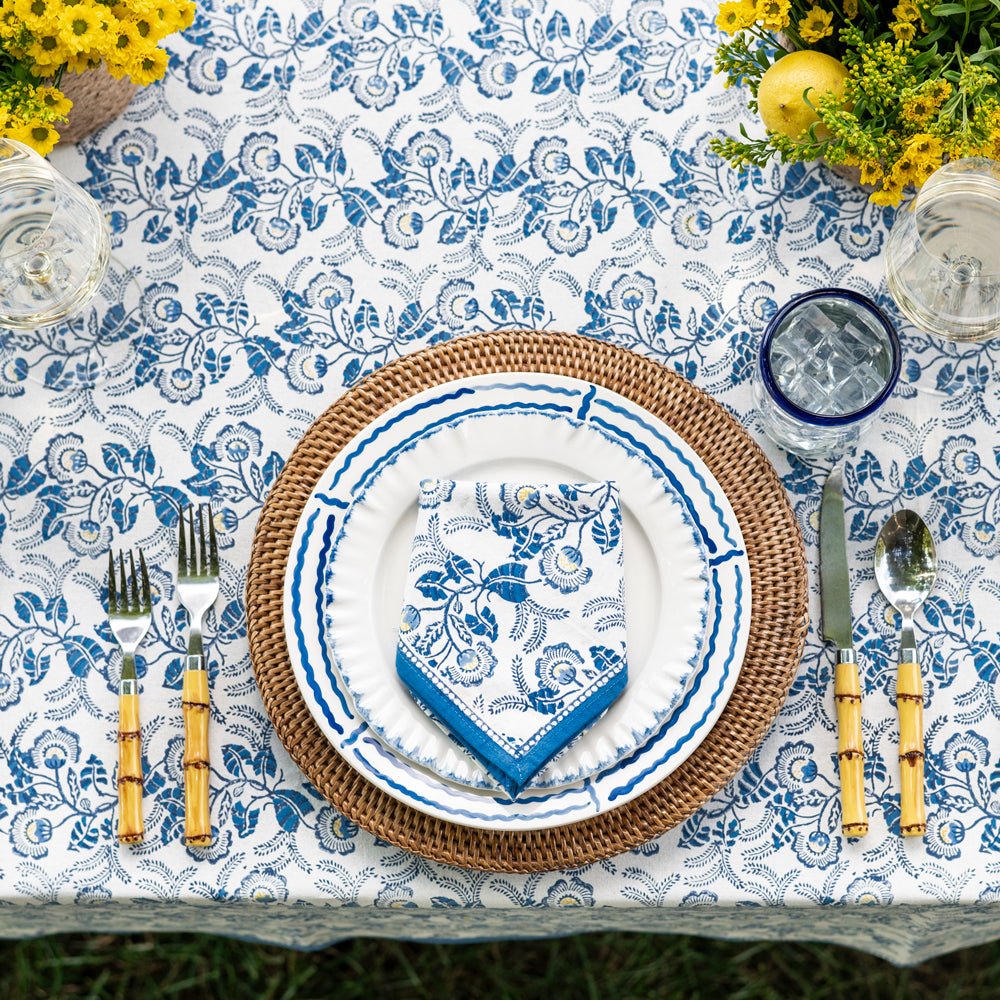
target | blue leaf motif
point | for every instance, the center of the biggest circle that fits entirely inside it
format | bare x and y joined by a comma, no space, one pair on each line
507,582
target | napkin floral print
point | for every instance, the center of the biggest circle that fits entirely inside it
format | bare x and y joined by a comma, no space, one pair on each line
513,630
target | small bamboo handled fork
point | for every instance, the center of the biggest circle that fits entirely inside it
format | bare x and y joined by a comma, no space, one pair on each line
129,613
198,588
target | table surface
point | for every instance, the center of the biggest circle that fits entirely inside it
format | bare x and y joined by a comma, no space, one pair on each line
316,189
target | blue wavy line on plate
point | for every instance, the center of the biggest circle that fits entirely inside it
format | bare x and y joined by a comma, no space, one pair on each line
331,501
697,680
403,445
731,554
615,408
300,639
581,414
626,788
450,809
390,457
457,394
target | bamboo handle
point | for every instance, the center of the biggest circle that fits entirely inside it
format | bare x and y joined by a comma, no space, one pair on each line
910,705
850,754
130,828
197,821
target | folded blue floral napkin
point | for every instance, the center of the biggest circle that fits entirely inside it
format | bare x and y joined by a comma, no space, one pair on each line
512,633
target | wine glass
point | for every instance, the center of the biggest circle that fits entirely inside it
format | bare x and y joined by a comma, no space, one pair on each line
942,264
64,320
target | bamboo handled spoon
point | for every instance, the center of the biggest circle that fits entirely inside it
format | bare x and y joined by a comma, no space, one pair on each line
905,567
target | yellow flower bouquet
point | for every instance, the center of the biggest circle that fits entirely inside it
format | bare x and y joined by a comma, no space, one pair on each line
41,40
892,89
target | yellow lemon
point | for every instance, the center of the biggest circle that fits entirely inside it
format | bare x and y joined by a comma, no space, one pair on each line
780,96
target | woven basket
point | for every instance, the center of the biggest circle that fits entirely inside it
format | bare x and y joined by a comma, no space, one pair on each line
97,97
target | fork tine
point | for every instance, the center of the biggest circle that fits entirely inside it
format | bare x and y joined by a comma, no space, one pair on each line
193,558
213,546
122,581
181,541
203,565
112,597
147,601
134,581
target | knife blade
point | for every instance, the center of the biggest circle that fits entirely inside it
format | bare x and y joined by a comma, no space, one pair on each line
838,628
835,584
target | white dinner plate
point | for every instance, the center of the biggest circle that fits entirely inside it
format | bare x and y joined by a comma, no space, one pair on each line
707,688
666,580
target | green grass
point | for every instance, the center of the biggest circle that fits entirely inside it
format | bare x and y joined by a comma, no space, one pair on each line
614,966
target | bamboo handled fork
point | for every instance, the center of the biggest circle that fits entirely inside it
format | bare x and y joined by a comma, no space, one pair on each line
198,588
129,613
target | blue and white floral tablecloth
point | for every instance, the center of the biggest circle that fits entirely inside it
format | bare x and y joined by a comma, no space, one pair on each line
317,188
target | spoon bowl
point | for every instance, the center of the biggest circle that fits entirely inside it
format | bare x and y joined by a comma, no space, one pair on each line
905,563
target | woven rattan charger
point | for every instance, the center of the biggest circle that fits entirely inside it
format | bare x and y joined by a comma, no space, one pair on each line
778,619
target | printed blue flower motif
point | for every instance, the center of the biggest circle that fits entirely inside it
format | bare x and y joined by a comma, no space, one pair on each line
991,894
237,442
519,499
497,73
569,892
427,149
11,686
557,666
567,236
276,233
30,833
456,303
395,897
180,385
94,895
434,492
646,20
549,159
54,748
259,155
562,567
794,766
329,290
981,538
965,752
358,17
132,148
663,93
472,666
632,292
335,833
402,224
65,459
945,833
860,240
815,849
264,886
205,71
691,226
702,898
375,91
88,537
868,890
409,619
13,373
306,370
161,306
960,458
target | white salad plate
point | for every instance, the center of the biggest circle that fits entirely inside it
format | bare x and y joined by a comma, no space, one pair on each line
681,538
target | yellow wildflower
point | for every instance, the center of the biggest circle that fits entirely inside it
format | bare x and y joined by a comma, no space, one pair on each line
54,101
850,8
906,10
41,137
83,25
904,31
918,109
735,16
871,171
148,66
816,25
27,10
774,14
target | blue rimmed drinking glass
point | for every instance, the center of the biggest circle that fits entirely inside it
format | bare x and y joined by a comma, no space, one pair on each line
828,360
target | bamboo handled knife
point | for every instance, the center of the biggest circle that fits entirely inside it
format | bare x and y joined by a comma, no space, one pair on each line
838,629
